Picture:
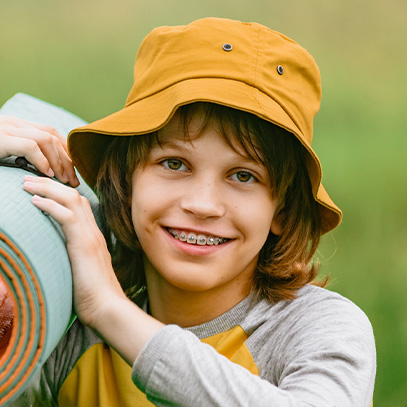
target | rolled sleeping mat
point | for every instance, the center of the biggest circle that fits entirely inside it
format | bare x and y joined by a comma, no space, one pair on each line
35,273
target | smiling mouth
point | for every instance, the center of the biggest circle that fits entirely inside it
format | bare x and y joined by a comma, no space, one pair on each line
197,239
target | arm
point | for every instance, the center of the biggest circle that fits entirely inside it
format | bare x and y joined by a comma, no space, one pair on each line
318,353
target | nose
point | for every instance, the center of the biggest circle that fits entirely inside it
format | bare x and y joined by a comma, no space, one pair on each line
204,200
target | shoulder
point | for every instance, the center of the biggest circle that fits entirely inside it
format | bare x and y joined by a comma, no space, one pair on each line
317,319
320,331
315,305
318,311
312,306
322,300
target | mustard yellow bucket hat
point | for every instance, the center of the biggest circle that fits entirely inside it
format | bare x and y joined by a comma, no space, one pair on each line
245,66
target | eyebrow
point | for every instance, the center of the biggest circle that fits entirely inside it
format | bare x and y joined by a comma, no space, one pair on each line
179,144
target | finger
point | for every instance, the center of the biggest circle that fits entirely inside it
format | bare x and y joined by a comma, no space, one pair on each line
51,147
45,141
28,148
54,132
67,166
21,123
63,194
49,188
56,195
61,162
80,236
58,212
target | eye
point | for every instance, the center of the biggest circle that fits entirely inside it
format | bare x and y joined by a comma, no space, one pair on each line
243,176
174,164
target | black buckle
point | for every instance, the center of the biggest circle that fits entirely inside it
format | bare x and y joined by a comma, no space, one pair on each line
21,162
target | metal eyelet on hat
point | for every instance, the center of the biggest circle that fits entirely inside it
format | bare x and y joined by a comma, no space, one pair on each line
227,47
280,70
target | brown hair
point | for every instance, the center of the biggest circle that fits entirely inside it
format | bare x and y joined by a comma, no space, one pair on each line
285,262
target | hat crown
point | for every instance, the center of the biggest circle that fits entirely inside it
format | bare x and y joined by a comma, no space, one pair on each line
170,55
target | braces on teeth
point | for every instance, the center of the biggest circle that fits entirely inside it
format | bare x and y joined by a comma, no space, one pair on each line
201,240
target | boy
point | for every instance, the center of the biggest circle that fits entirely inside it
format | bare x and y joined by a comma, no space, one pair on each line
212,191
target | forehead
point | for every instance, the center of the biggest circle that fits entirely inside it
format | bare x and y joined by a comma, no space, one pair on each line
188,125
179,130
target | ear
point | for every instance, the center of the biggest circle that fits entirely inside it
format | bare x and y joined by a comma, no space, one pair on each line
277,224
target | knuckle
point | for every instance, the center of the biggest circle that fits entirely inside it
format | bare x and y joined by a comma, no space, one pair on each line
45,137
76,197
31,146
85,201
50,130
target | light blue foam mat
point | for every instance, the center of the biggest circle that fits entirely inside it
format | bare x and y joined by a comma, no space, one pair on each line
33,260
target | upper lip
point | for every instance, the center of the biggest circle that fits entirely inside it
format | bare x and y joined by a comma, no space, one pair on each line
198,232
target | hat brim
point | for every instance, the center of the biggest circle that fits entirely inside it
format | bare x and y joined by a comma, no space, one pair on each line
87,144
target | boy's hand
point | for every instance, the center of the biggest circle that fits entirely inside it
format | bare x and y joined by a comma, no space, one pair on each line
95,283
41,145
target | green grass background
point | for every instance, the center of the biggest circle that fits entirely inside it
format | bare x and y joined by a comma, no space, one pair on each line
79,54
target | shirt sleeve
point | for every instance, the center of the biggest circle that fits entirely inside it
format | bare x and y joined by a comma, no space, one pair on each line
331,363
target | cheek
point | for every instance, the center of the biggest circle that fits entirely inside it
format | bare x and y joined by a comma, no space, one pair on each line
141,209
138,206
150,201
257,214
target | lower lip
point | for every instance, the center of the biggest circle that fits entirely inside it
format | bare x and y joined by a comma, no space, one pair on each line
195,249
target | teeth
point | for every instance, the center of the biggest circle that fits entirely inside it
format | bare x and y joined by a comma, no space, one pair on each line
200,239
191,238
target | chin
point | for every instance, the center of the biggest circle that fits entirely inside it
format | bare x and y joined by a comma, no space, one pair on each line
193,285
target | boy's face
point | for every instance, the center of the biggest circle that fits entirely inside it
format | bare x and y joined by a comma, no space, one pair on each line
202,212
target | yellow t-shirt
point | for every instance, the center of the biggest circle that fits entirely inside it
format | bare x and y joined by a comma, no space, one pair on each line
102,378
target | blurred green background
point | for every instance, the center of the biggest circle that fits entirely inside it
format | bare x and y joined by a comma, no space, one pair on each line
79,54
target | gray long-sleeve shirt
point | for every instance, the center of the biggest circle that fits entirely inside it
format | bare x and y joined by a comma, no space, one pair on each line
315,351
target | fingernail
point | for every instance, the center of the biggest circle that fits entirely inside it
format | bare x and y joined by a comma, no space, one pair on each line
50,173
36,199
